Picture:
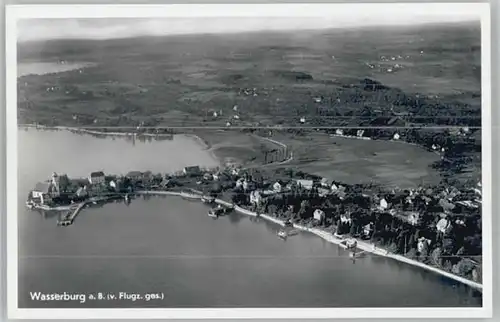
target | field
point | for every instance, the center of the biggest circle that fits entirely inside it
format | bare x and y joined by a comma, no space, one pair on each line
353,161
430,74
233,147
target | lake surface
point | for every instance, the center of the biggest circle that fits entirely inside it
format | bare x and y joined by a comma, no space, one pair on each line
41,68
170,245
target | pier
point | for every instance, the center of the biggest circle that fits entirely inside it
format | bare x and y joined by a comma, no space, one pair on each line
70,216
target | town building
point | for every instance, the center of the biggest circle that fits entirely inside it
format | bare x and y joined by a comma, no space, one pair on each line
319,215
81,192
43,191
423,244
324,183
345,218
255,197
239,183
147,177
383,204
134,175
192,171
411,217
443,225
60,183
97,177
322,192
306,184
368,229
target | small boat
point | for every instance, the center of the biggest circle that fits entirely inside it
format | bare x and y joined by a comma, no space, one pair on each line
351,243
282,234
356,254
64,222
207,199
30,204
214,213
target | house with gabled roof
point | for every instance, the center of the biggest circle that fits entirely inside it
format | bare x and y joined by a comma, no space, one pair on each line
43,192
96,177
306,184
319,215
134,175
192,171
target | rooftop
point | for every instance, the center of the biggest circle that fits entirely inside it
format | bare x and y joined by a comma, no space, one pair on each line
43,187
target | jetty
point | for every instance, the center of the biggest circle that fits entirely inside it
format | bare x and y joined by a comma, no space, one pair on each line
70,216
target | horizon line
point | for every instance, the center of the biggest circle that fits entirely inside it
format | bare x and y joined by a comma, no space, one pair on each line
236,32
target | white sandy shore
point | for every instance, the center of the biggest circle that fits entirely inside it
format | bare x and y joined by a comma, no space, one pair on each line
367,247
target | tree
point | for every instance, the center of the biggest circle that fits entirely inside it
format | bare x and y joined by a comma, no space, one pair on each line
304,209
436,256
412,253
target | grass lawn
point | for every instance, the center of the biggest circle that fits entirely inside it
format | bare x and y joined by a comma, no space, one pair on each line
362,161
235,146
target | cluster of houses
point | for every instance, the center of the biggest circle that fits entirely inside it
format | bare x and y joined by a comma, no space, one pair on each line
60,185
234,118
449,198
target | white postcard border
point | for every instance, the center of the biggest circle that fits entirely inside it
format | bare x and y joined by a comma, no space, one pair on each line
13,13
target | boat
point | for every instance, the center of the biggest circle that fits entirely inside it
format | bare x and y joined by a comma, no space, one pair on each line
338,236
282,234
64,222
30,204
351,243
357,254
207,199
214,213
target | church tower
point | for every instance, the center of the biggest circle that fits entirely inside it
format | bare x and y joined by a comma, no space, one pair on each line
55,184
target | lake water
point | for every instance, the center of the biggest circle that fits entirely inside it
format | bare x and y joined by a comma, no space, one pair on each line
170,245
40,68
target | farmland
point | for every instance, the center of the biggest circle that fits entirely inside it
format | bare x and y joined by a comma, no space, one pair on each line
350,78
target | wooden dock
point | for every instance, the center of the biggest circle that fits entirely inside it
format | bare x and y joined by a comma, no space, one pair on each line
70,216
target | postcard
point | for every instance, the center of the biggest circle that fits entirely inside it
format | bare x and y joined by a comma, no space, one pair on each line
249,161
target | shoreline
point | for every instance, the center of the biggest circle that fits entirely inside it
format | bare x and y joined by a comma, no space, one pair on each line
203,143
329,237
367,247
87,131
